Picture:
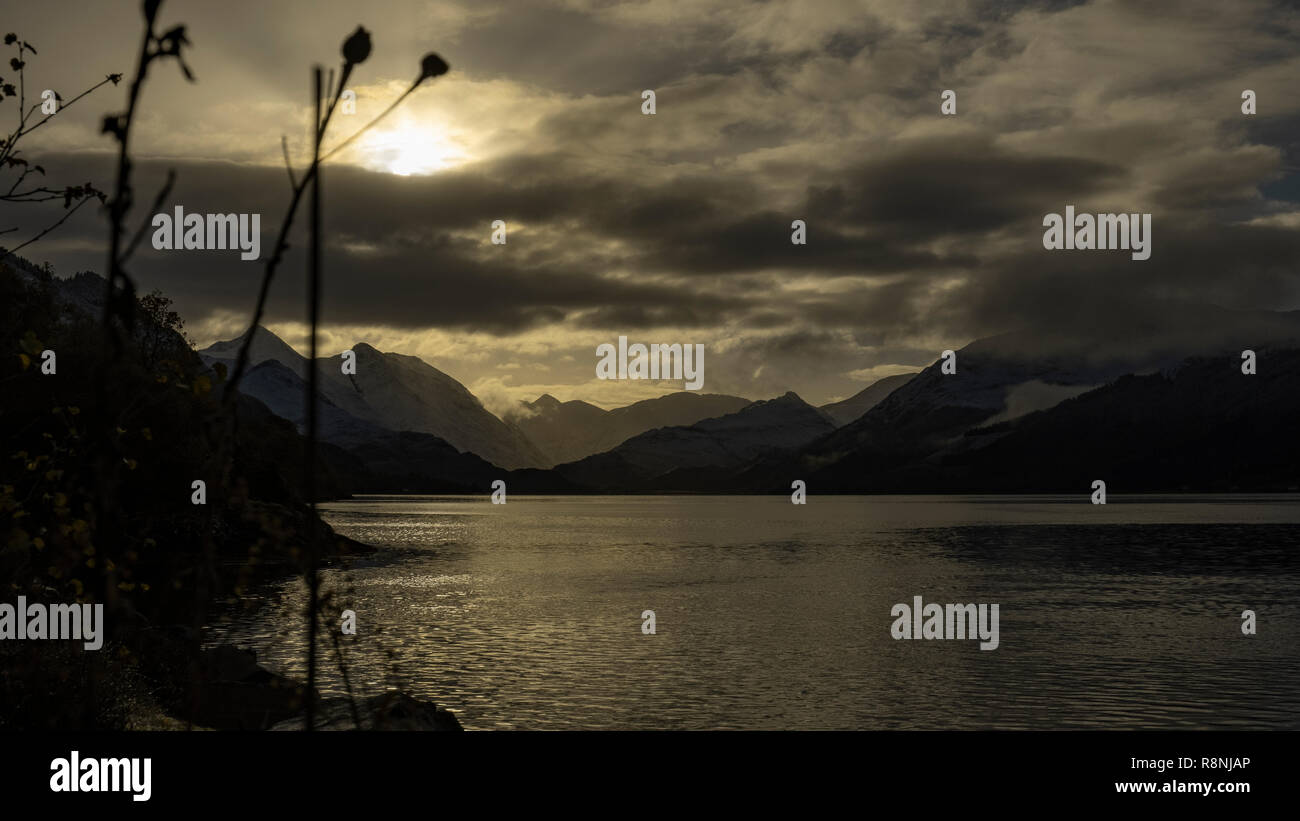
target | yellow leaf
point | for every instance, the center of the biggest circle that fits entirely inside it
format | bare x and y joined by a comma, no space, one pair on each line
147,434
25,359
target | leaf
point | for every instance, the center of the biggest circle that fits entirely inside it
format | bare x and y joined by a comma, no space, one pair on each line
31,344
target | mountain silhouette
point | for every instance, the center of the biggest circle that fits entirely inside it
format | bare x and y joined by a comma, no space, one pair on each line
569,431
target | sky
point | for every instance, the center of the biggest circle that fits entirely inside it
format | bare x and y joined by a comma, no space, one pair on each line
924,230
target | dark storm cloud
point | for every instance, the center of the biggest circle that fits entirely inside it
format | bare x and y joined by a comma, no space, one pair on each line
1235,266
411,251
921,228
394,257
956,185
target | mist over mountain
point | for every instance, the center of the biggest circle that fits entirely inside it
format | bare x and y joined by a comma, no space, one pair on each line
1202,426
904,442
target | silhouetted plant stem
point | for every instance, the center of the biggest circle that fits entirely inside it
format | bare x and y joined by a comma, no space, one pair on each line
347,681
313,376
281,242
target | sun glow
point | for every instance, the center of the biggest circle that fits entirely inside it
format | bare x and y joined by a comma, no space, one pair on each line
410,148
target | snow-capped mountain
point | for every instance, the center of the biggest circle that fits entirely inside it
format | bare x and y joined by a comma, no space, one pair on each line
391,391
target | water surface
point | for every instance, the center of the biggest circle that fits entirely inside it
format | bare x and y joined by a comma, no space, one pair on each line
776,616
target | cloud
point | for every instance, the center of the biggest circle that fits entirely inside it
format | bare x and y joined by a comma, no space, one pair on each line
923,230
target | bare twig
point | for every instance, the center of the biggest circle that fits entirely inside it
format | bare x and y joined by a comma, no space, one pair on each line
67,214
336,149
288,166
313,380
273,262
113,78
145,224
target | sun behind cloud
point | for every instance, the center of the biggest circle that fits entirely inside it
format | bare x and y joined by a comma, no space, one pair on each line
408,147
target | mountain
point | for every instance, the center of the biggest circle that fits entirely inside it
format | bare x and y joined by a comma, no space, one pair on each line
390,391
901,444
266,346
848,410
672,458
1203,426
569,431
374,459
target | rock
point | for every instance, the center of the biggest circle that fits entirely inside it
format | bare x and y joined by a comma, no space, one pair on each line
233,692
393,710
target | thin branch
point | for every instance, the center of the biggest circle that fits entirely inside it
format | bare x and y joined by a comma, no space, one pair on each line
121,201
70,212
288,166
157,203
27,170
347,682
62,106
370,124
312,386
22,85
281,244
30,195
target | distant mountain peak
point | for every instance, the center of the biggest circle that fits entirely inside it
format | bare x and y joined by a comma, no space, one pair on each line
266,345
